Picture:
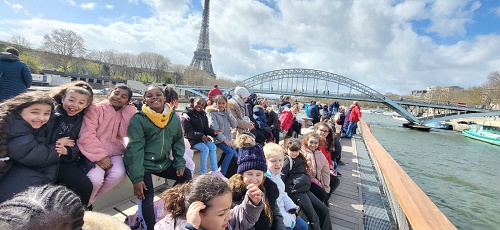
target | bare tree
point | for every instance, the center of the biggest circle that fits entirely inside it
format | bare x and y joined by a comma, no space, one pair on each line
20,43
66,44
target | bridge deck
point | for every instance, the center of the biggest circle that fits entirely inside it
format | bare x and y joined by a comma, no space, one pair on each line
346,209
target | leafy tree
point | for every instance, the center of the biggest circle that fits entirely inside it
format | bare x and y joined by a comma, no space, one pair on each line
66,44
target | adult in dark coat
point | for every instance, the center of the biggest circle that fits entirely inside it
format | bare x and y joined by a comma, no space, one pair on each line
314,113
15,76
34,159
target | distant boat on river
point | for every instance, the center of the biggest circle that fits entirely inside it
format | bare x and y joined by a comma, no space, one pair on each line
439,125
486,133
399,117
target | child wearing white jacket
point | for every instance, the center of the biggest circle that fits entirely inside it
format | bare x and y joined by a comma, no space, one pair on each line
274,160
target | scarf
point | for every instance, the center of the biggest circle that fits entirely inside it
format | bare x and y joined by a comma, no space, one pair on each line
241,104
159,119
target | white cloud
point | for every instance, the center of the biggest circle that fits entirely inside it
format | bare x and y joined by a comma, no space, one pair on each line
88,5
109,7
14,6
497,11
371,41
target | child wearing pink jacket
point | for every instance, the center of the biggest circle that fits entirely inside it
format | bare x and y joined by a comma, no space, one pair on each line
101,139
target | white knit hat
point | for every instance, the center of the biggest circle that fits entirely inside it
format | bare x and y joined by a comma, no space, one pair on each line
241,92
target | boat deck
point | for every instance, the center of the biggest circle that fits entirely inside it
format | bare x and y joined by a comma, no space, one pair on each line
346,208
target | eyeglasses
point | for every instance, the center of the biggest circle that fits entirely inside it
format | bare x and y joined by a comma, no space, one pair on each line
324,130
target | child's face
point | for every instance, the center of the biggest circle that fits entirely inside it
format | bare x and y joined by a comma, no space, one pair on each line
219,214
36,115
74,102
293,154
119,98
155,99
323,131
313,143
274,162
199,105
221,105
253,177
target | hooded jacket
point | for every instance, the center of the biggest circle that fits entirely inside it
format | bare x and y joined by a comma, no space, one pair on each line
284,202
272,119
260,116
221,121
15,76
30,147
320,169
295,178
104,129
236,111
149,146
195,126
244,216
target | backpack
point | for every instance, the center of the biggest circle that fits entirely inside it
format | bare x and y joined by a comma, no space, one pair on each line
337,117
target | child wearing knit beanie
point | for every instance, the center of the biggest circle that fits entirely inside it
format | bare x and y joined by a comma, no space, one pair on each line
251,169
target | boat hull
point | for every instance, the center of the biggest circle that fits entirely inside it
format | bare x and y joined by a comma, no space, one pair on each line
478,136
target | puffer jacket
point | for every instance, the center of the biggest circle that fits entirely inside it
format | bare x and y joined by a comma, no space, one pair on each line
15,76
59,114
320,169
195,126
149,146
296,178
260,116
30,148
221,121
243,216
272,119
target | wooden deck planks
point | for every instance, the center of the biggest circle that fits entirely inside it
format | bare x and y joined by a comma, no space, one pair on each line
346,209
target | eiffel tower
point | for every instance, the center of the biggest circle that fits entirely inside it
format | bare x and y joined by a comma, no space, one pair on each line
202,58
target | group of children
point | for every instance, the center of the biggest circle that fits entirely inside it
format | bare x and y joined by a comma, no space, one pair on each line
64,138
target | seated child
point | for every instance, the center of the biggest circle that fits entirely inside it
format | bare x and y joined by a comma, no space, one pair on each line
205,203
274,160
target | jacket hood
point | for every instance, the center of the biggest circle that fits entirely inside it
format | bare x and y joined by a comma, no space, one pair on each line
5,56
210,109
258,110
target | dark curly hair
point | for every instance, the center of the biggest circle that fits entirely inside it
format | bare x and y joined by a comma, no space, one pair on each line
14,106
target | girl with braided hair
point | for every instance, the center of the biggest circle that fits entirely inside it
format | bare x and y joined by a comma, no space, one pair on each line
27,157
205,203
42,207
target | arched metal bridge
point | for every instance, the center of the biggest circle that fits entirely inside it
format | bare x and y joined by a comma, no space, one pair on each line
321,84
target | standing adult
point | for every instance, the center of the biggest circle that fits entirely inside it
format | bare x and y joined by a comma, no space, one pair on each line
215,91
15,76
353,119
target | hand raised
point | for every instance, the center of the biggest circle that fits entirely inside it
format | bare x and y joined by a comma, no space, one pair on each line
254,193
193,213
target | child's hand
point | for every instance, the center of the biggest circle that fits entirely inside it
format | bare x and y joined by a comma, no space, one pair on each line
228,143
66,141
61,149
193,213
216,132
139,188
254,194
179,172
105,163
205,139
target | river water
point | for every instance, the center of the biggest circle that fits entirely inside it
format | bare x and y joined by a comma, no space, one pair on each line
460,175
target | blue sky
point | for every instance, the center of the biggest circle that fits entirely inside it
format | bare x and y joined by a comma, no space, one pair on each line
390,45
